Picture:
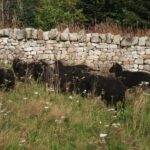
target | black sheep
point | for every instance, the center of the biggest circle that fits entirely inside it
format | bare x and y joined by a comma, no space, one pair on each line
20,68
130,78
7,79
40,71
111,90
70,76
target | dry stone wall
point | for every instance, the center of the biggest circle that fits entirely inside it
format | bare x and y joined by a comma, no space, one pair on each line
93,49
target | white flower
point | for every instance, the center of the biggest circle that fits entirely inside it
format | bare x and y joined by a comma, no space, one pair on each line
84,91
22,141
10,101
106,125
46,108
36,93
111,109
116,125
114,116
100,122
103,135
70,97
25,98
77,101
51,90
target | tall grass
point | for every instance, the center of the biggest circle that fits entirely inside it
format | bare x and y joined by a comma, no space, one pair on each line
31,118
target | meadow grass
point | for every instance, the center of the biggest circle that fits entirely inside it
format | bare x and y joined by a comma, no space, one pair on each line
33,119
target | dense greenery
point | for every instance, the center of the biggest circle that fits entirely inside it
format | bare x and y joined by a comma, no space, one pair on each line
47,14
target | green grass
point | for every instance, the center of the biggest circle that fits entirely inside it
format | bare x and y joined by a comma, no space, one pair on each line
32,119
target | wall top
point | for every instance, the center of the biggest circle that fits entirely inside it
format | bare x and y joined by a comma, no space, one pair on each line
81,37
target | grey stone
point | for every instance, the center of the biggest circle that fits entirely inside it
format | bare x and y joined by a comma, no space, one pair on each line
1,32
95,38
28,33
20,34
53,33
88,37
102,37
35,34
126,41
135,40
117,39
73,36
64,36
82,36
147,42
46,35
40,34
142,41
109,38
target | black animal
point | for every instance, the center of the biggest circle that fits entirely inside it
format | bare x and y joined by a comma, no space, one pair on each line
111,90
70,76
40,71
20,68
7,79
130,78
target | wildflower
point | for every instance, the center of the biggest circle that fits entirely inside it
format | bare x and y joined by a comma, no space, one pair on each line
70,97
51,90
100,122
58,121
10,101
111,109
116,125
106,125
23,141
77,101
114,116
25,98
36,93
46,108
84,92
103,135
63,117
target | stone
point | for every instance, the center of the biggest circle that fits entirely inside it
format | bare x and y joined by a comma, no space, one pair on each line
28,32
28,49
7,32
117,39
139,61
147,51
20,34
95,38
71,49
53,33
40,34
135,40
46,35
109,38
82,36
64,36
1,32
35,34
88,37
147,42
102,37
142,41
73,36
126,41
